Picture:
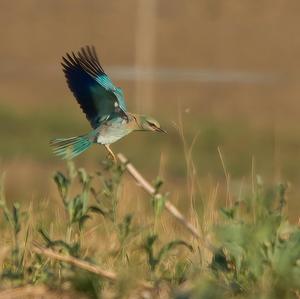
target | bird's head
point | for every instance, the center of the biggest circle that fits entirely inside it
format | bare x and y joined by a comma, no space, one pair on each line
148,123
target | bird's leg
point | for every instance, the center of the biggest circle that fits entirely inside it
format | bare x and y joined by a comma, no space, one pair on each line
111,153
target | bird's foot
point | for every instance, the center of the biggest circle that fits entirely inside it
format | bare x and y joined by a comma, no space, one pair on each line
112,157
111,154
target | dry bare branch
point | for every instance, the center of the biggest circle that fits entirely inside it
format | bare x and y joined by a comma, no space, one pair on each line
168,205
82,264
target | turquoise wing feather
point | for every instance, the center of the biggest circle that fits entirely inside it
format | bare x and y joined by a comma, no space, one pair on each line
105,81
97,96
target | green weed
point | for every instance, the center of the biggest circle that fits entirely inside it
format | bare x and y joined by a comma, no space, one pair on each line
255,248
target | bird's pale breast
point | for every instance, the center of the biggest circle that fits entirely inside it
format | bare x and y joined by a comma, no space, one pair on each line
112,131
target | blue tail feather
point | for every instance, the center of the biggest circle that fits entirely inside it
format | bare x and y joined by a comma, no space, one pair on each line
69,148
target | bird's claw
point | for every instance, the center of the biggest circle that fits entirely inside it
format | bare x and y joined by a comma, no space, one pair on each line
112,157
111,154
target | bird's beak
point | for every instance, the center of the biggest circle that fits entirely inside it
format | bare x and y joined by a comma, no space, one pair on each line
160,130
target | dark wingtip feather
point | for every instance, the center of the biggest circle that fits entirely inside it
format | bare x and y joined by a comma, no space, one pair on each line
85,60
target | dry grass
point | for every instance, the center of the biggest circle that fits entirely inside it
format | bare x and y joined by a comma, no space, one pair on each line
109,232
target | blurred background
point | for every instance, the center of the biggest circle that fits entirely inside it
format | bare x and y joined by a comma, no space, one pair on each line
225,72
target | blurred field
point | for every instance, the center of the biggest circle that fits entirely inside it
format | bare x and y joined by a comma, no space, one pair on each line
223,79
246,119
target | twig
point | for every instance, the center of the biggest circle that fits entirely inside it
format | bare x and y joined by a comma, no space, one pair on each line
74,261
82,264
169,206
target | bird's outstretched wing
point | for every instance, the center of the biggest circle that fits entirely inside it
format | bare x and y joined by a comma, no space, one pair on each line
94,91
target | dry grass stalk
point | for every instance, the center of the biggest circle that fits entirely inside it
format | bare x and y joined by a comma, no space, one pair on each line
82,264
168,205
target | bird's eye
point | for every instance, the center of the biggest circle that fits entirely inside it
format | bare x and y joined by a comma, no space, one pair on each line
151,124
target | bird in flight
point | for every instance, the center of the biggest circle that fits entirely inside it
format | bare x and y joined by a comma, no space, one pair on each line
103,104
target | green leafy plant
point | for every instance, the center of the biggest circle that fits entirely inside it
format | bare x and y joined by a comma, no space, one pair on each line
155,259
13,268
258,250
255,248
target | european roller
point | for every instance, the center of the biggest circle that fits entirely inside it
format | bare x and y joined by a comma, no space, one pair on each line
103,104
